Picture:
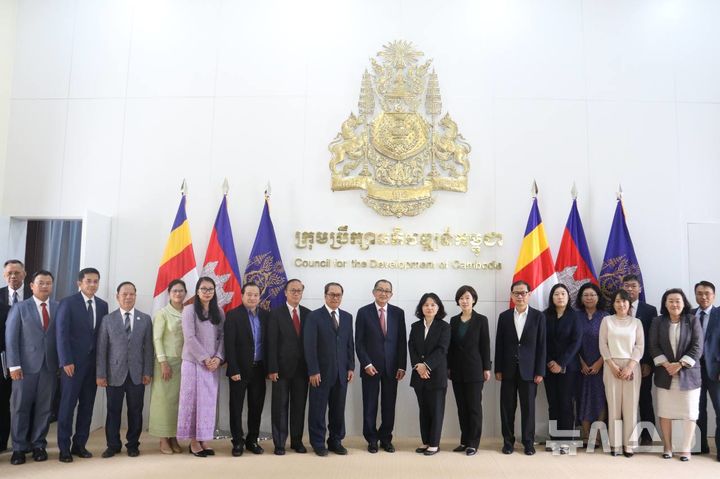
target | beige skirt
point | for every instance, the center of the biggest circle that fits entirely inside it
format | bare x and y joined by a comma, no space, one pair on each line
675,403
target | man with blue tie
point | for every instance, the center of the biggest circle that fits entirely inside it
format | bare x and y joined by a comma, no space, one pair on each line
330,357
380,342
78,321
32,361
125,361
709,317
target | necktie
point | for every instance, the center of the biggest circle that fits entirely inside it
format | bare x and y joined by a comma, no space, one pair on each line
296,321
15,297
631,312
91,316
45,316
127,324
702,319
336,325
383,325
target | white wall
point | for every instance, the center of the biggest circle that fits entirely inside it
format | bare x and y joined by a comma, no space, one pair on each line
113,103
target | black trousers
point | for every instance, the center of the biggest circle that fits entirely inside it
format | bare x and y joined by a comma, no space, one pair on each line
386,388
713,389
431,405
647,412
468,397
560,390
328,398
510,388
255,388
80,391
5,390
288,396
134,394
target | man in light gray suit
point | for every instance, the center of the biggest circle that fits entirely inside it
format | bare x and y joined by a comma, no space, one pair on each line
124,368
33,364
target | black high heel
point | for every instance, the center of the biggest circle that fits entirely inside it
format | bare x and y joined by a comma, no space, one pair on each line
202,453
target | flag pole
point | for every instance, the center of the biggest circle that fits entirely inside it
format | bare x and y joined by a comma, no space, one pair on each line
574,191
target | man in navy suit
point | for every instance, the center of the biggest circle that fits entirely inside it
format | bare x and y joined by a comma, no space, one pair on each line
16,290
330,357
78,321
709,317
32,361
645,313
520,352
380,341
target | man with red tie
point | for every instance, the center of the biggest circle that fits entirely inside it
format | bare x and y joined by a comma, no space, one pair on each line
287,369
33,364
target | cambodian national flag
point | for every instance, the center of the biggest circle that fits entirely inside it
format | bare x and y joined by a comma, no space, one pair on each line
574,265
535,263
178,261
221,261
620,259
265,266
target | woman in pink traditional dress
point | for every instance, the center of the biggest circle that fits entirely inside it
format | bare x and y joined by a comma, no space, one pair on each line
202,355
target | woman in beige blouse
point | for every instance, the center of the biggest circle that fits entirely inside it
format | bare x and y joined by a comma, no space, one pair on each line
622,343
165,393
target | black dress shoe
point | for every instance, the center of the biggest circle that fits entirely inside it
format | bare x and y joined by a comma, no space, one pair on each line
338,449
320,451
628,454
299,448
684,458
209,452
470,451
460,448
614,453
421,450
372,448
507,449
529,450
387,446
428,452
65,457
279,451
133,452
254,448
237,450
39,454
80,451
703,450
109,452
17,458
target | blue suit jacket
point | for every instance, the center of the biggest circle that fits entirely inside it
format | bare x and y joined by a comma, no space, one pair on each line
528,351
76,339
711,350
28,346
326,352
646,313
564,338
387,353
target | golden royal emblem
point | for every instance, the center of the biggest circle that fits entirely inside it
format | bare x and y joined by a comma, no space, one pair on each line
397,156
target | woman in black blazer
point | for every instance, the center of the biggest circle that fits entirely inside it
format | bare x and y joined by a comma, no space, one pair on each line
469,367
563,339
676,344
428,346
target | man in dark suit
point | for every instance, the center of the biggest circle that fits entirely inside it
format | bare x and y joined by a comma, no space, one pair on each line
709,317
5,383
78,322
16,290
330,357
645,313
520,352
245,330
380,340
287,369
124,367
32,361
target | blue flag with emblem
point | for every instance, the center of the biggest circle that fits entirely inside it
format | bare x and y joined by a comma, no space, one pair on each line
265,266
620,259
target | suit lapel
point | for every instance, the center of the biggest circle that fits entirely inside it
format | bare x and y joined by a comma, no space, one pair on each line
470,333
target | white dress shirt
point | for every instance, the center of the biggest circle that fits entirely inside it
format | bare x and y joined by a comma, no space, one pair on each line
520,319
132,318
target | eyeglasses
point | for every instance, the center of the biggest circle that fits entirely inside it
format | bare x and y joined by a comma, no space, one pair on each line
295,291
334,295
383,291
207,290
520,294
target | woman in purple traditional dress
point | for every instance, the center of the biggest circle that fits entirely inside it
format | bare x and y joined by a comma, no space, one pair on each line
591,402
203,353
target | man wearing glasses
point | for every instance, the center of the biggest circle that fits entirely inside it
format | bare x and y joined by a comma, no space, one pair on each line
520,352
287,370
380,342
330,357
